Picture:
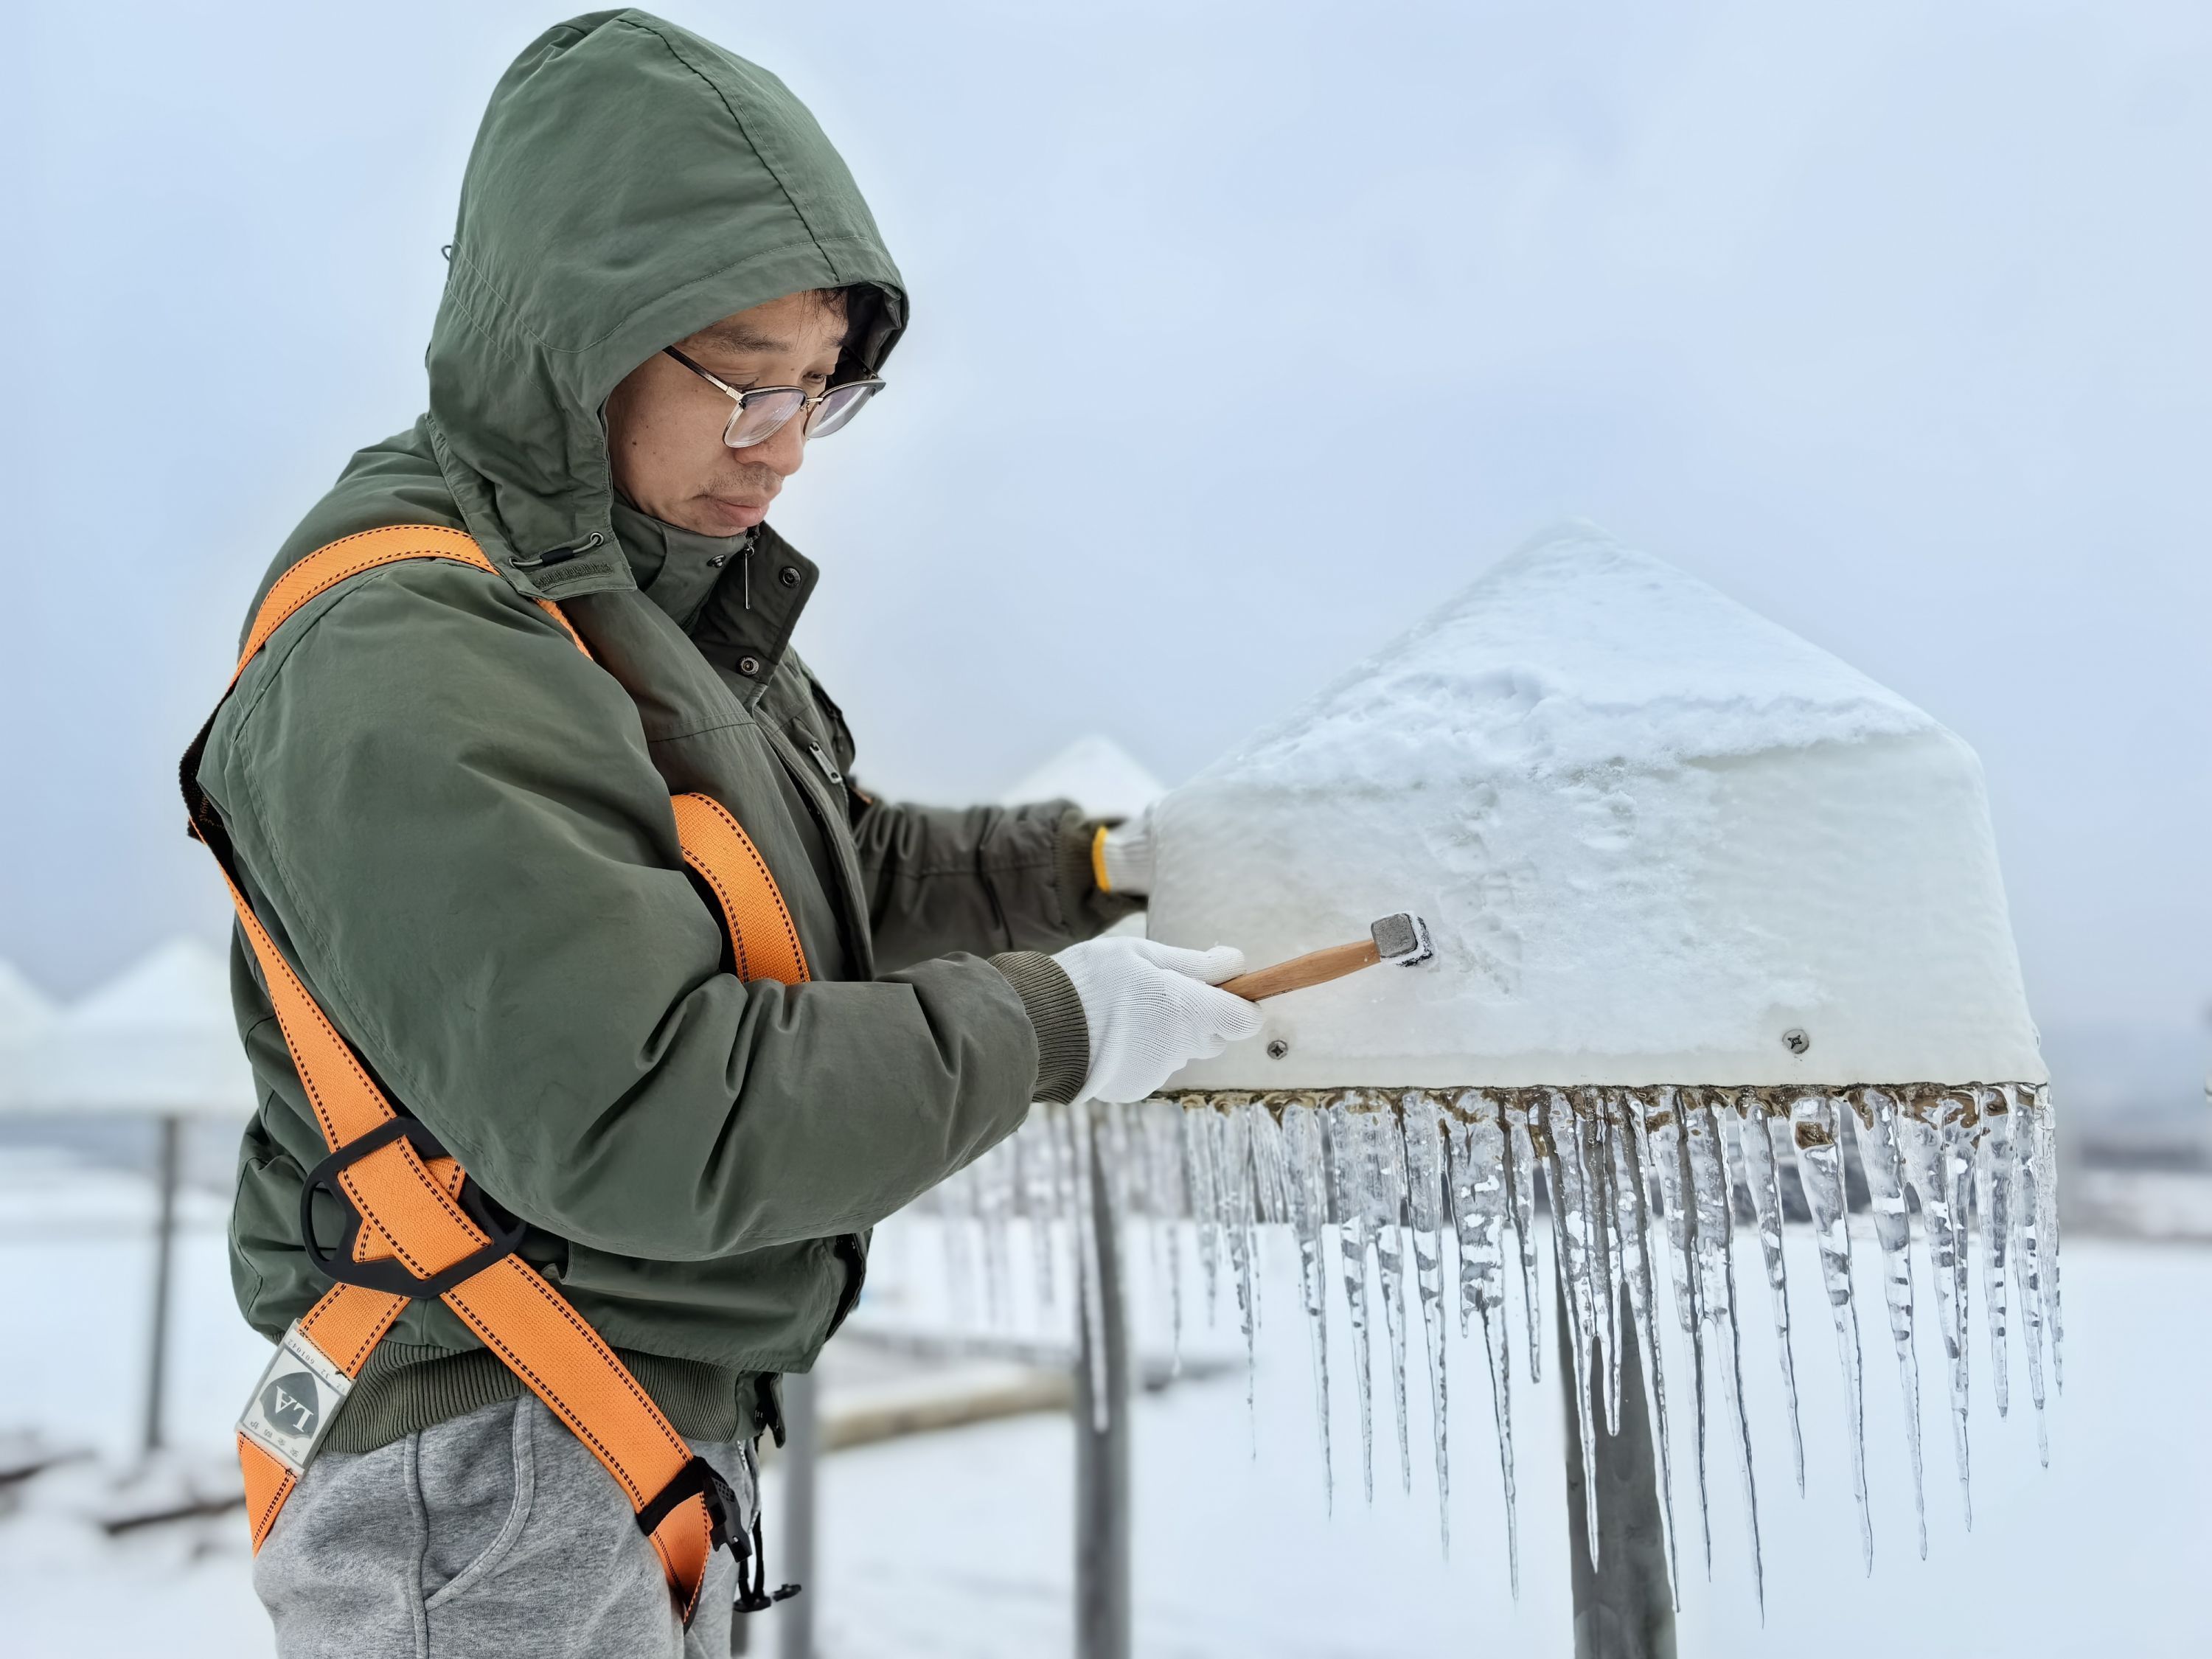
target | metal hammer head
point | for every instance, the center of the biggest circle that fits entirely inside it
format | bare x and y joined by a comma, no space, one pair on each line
1402,938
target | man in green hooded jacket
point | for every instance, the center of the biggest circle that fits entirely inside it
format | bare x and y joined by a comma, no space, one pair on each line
458,831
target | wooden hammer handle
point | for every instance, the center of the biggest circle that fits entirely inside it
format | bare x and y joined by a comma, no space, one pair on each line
1315,968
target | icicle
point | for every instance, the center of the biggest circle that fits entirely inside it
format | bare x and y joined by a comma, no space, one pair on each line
956,1206
1271,1176
1348,1162
1481,1194
1271,1204
1959,1137
1033,1201
1233,1192
1558,1140
1115,1141
1708,1178
1198,1155
1574,1225
1884,1167
1595,1166
2028,1244
1156,1120
1755,1139
1820,1172
1924,1135
1060,1138
1386,1198
1307,1192
1157,1224
1092,1295
1395,1171
2045,1139
1665,1153
1521,1160
1993,1199
1422,1120
1462,1199
993,1178
1631,1229
1163,1138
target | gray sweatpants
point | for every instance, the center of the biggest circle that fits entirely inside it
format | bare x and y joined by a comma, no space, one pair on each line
495,1533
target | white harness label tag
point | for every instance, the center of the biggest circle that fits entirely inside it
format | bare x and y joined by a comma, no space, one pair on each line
296,1402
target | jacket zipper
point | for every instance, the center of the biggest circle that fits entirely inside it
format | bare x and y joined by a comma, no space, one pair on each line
853,918
838,837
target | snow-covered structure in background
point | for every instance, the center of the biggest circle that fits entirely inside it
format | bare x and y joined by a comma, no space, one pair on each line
159,1037
1097,775
25,1010
1710,908
1101,777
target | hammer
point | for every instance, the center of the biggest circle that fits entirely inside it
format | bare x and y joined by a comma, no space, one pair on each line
1402,938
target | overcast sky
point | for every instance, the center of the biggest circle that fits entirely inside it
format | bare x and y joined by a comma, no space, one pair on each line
1243,335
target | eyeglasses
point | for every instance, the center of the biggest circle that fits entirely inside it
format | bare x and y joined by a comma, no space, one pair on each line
762,412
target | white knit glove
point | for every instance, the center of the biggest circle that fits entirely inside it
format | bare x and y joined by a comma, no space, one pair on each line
1125,856
1152,1008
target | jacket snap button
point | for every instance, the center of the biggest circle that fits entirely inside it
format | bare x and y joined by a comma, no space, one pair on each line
718,560
749,666
788,575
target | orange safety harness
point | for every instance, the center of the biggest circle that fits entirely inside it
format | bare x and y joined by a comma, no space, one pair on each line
416,1226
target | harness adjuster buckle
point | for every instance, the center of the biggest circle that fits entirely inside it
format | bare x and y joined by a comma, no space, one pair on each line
389,1274
700,1477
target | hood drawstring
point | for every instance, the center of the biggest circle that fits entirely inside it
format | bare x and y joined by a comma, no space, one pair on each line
558,554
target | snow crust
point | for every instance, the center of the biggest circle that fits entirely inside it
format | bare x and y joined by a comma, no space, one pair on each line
1651,831
1574,653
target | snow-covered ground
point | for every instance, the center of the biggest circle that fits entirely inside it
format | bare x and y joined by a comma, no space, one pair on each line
958,1543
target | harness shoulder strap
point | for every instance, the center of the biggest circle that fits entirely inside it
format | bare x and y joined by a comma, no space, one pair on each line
761,934
350,555
418,1227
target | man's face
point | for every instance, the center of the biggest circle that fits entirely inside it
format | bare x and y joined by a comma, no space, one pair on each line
665,423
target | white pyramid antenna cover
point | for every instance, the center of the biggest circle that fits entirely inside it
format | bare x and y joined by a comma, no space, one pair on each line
1657,839
1096,774
24,1009
161,1036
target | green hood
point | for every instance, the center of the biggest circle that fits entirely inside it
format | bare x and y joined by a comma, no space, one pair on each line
631,183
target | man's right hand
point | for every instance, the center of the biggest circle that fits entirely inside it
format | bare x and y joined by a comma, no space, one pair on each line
1152,1009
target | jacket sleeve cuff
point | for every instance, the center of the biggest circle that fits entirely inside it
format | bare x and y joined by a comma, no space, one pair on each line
1063,1035
1089,909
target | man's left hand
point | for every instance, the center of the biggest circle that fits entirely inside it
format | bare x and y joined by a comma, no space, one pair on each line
1122,860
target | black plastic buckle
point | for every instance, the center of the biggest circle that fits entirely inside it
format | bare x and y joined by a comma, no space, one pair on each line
699,1477
391,1275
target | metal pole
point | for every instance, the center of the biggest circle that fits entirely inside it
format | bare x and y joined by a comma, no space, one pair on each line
802,1456
1623,1606
1101,1454
172,1131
